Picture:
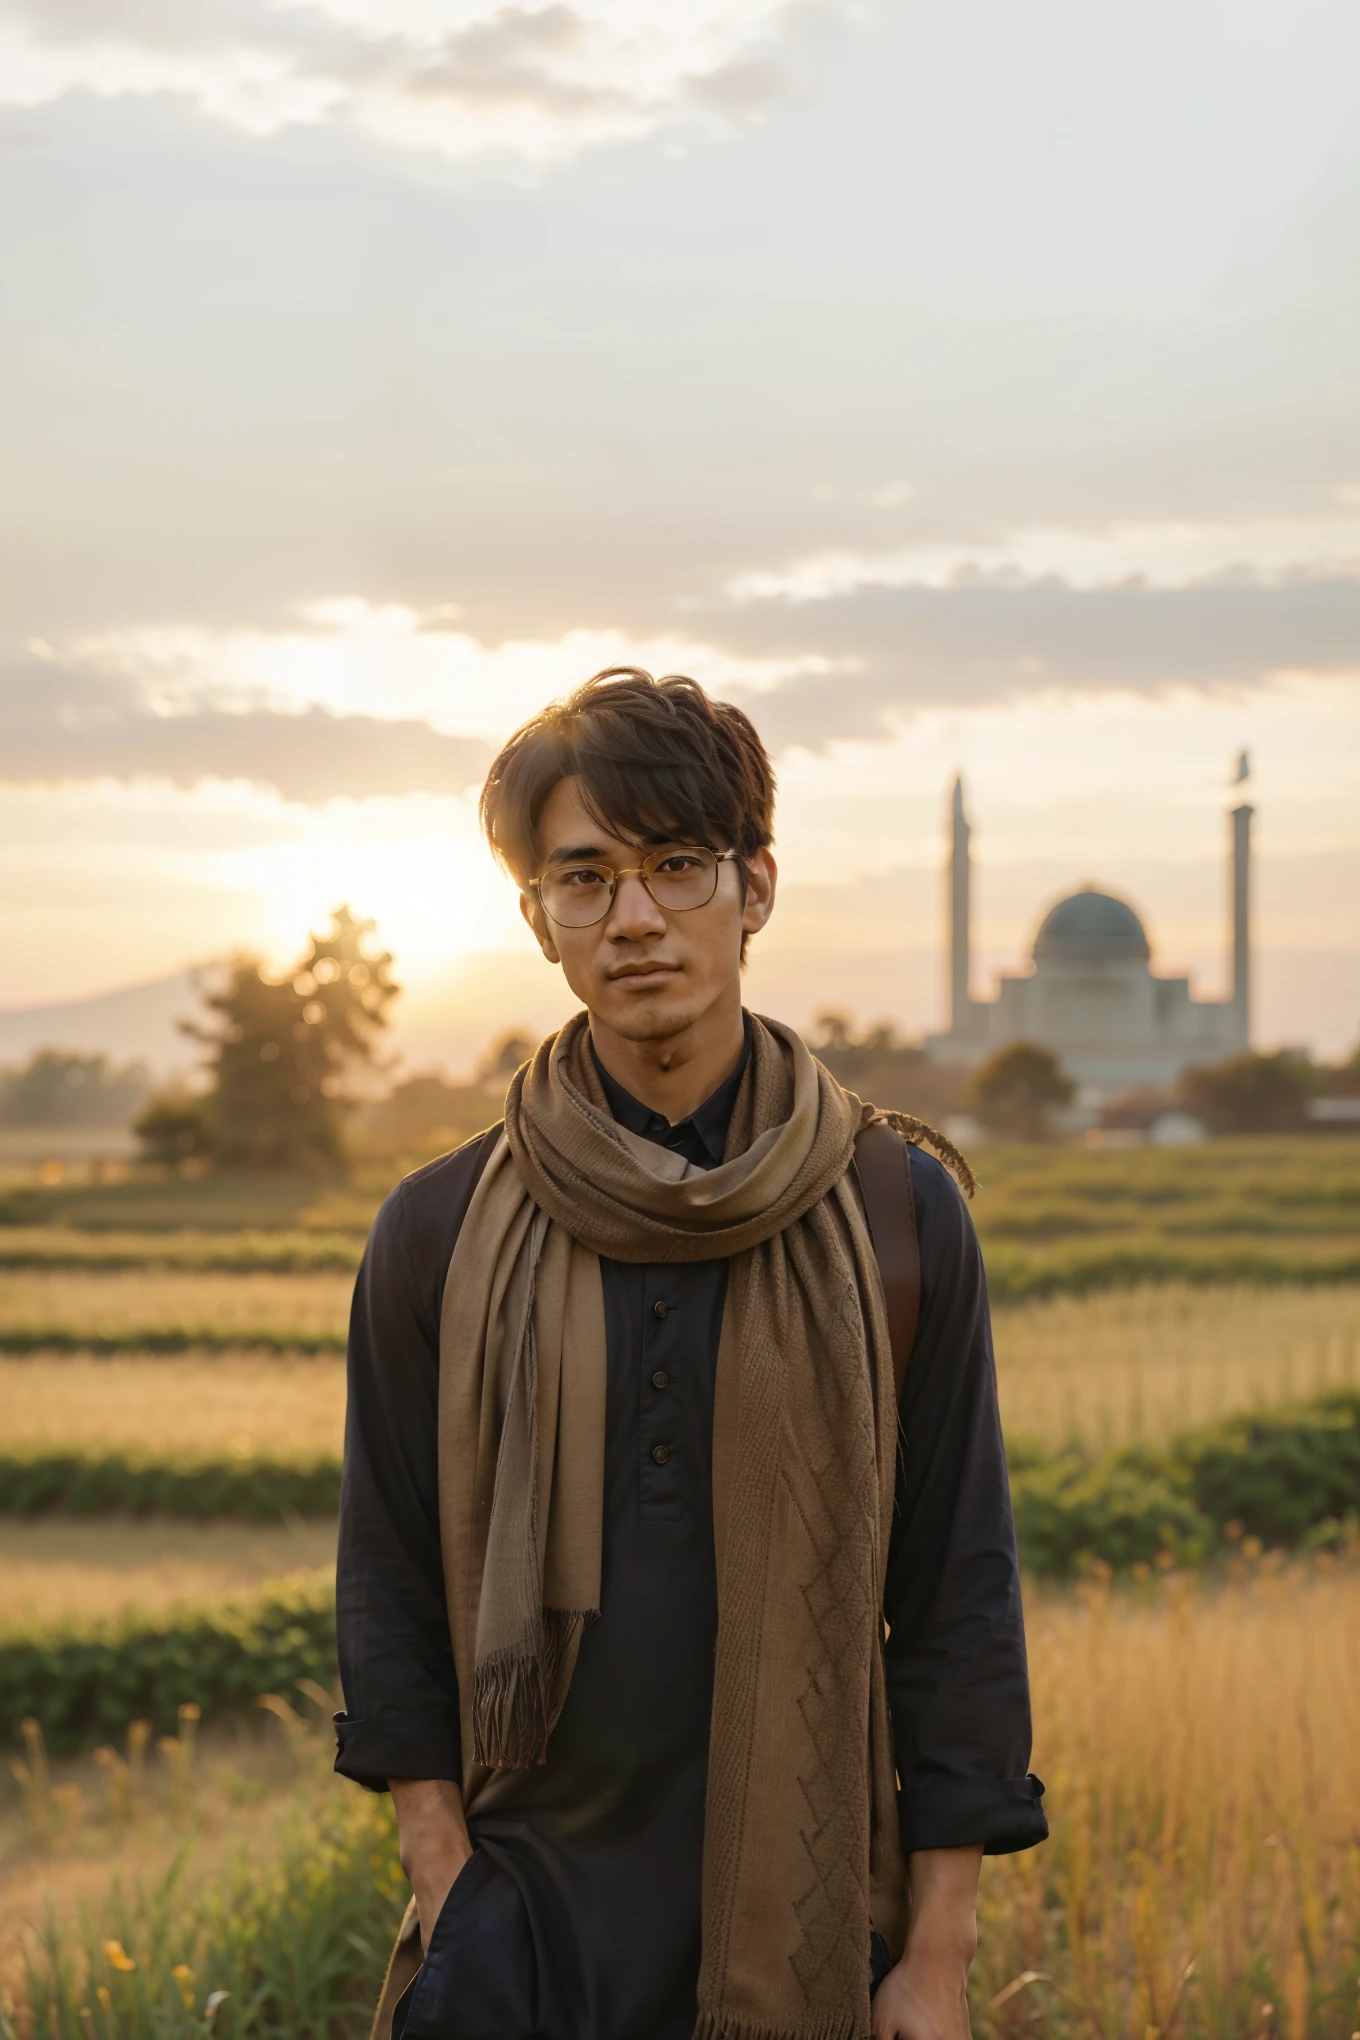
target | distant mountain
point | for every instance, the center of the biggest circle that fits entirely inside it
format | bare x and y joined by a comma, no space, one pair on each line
445,1021
136,1024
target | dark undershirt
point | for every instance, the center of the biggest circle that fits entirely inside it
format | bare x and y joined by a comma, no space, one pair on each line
598,1851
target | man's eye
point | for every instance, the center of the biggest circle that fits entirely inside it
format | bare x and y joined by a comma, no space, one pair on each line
677,861
582,878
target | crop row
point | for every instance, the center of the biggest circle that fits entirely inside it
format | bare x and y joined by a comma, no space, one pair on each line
1082,1267
106,1316
107,1341
1278,1473
1283,1477
39,1480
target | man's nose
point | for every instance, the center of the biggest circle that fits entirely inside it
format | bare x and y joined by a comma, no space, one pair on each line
634,912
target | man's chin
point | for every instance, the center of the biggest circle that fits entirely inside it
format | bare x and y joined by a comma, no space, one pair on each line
644,1021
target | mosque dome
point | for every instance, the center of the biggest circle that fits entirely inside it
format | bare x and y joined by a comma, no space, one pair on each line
1091,927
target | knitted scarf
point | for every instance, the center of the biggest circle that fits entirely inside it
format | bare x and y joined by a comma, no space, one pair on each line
801,1853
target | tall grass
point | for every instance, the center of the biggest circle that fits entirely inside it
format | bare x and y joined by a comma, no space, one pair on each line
1202,1753
288,1945
1201,1748
1145,1363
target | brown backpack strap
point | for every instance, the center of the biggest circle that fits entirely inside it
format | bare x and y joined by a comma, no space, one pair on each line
883,1164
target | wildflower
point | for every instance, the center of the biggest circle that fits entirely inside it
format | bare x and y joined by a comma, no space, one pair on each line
105,1996
116,1955
184,1977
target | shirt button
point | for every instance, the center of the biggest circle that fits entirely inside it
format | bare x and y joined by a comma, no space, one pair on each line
660,1454
661,1379
659,1308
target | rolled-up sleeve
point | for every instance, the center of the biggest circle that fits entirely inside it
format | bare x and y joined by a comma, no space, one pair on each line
400,1718
958,1683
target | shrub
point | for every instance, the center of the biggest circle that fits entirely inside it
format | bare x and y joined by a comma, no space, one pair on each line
1252,1093
37,1480
1123,1510
1278,1472
86,1681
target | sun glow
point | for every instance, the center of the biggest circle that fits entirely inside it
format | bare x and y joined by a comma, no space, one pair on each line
417,866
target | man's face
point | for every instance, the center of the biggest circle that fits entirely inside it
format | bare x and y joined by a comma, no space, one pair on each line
645,973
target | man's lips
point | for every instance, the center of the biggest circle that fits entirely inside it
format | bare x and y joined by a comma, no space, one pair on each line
644,973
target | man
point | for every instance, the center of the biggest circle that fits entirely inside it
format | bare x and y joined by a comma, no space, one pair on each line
626,1501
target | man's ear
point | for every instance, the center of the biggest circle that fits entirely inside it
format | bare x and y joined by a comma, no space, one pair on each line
762,877
538,921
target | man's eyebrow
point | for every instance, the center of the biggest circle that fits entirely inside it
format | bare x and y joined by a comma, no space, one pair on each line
590,851
593,853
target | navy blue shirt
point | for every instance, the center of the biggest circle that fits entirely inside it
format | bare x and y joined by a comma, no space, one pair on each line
597,1854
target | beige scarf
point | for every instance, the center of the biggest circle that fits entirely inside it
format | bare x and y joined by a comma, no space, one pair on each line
800,1848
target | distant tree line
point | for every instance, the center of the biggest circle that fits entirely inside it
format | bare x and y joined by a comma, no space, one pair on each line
291,1070
61,1087
1020,1091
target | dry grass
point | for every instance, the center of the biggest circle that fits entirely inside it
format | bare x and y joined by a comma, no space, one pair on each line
58,1566
208,1309
1202,1753
250,1404
1143,1363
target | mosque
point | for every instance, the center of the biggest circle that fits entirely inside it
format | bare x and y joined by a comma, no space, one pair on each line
1092,997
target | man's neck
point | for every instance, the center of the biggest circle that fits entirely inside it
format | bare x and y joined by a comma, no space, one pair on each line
674,1076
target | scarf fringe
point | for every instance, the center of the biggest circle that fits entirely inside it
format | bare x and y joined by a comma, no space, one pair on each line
830,2026
512,1713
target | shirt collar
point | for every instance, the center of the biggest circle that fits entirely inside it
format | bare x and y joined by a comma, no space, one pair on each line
701,1136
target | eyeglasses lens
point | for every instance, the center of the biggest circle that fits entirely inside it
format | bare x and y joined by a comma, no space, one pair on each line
677,877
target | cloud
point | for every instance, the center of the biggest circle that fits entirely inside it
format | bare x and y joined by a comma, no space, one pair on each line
1167,555
895,651
357,698
62,724
460,78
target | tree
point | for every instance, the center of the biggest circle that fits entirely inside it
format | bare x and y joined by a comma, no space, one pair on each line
282,1054
1252,1093
174,1129
57,1087
507,1053
1017,1090
878,1065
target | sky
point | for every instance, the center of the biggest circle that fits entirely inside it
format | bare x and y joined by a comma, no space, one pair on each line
962,388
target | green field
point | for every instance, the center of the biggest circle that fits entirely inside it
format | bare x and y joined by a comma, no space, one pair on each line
1053,1221
1169,1330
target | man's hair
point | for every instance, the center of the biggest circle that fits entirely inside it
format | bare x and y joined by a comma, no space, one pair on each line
654,759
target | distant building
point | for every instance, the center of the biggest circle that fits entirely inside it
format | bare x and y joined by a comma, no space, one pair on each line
1092,997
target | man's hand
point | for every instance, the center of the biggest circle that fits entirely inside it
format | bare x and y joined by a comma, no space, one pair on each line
434,1841
926,1996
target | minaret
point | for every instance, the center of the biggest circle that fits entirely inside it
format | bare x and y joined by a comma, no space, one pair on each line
1241,909
960,972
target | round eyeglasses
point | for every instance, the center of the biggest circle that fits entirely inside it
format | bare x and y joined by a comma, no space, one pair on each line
679,876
